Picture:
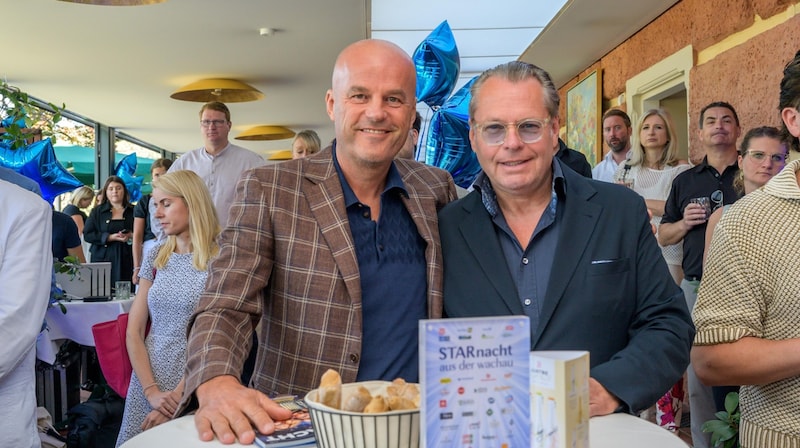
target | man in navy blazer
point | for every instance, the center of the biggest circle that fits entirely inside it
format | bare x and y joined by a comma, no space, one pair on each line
576,255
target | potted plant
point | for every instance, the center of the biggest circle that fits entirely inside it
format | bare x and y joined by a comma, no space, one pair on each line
725,428
23,116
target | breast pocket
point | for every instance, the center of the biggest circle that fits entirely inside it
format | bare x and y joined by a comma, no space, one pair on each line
609,283
610,266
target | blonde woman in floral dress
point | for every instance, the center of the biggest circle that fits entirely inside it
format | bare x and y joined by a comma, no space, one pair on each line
171,279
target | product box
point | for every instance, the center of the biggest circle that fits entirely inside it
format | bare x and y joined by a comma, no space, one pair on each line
559,399
474,382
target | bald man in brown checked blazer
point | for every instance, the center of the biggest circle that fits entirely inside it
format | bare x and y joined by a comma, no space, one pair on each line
310,252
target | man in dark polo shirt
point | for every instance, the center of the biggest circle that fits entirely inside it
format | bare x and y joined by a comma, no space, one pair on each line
685,220
336,255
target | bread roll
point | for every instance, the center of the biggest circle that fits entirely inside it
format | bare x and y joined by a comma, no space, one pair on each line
376,405
330,389
357,400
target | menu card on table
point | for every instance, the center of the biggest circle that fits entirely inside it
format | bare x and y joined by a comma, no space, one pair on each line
474,377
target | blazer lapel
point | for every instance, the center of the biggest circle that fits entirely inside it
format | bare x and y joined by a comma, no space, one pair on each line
326,201
577,225
479,235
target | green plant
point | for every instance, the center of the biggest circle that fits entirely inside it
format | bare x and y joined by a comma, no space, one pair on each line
70,266
19,111
725,428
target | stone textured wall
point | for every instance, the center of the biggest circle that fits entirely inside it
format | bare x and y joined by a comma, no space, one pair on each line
747,75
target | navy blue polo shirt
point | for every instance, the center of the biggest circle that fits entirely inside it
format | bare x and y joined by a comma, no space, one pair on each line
392,268
701,180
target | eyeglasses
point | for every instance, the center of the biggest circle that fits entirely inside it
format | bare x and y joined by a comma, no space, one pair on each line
759,156
529,131
716,198
208,123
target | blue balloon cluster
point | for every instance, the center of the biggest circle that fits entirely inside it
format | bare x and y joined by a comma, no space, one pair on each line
437,64
448,144
126,170
38,162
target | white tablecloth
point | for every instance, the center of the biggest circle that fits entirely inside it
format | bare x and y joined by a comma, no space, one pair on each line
76,324
611,431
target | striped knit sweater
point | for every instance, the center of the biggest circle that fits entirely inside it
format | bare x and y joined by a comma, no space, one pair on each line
751,287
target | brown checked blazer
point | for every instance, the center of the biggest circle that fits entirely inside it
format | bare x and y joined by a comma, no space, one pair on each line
287,260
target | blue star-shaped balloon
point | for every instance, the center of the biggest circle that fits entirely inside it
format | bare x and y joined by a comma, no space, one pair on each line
437,63
448,145
38,161
126,170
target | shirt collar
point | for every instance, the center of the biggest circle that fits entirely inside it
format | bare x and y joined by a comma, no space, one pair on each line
393,181
206,153
489,197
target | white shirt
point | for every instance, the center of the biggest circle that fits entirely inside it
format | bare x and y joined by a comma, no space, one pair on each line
26,268
220,172
605,170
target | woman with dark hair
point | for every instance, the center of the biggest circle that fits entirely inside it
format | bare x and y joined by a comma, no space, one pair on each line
762,155
109,230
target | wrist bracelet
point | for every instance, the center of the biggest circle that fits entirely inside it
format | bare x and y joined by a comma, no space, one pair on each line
148,387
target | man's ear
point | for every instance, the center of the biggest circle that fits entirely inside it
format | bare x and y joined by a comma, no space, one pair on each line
791,118
329,103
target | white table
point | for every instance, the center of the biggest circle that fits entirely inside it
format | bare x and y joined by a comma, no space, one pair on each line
76,324
611,431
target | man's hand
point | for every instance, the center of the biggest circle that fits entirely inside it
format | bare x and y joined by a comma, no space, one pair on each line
601,402
230,411
693,215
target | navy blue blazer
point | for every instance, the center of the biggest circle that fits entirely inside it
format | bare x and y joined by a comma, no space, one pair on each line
610,291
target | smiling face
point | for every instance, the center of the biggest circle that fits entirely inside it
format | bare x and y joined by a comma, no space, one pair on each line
654,133
172,212
371,103
515,168
757,172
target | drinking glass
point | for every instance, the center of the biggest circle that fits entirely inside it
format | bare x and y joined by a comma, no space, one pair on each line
123,290
704,202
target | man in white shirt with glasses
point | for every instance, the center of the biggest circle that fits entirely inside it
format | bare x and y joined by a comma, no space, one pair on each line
219,163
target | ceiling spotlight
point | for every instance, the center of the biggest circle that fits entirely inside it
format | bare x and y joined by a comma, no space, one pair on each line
115,2
283,154
265,132
266,31
217,89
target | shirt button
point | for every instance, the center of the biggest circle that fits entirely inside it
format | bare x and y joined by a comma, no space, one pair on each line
366,214
524,261
354,358
527,302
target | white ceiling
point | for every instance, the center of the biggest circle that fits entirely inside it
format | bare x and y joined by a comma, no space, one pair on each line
119,65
